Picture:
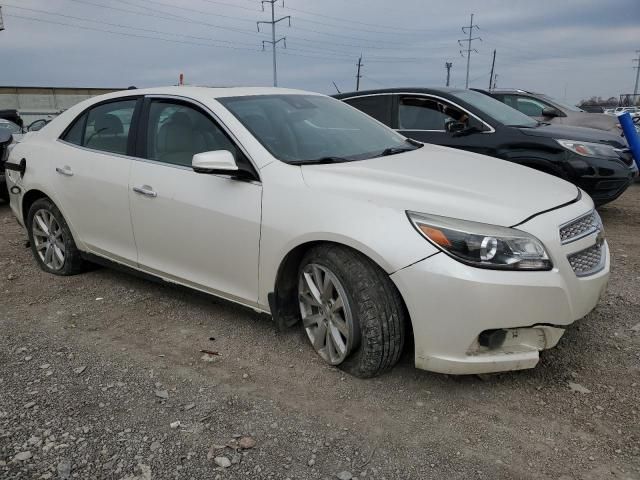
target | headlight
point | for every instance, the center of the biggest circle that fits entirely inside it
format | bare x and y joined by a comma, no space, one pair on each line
588,149
482,245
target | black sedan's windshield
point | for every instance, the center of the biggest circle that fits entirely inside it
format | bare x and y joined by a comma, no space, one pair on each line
314,129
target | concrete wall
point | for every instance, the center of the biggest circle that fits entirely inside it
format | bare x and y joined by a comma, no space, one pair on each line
34,103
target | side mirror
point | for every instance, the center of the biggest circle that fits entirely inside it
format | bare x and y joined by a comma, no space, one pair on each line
454,127
550,112
5,137
37,125
217,161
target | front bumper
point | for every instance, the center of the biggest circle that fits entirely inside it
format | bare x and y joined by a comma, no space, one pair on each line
452,304
604,179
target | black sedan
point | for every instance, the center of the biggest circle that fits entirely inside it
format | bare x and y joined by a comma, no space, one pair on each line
597,161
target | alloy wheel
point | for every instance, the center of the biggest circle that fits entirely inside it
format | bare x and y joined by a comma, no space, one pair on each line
326,314
48,239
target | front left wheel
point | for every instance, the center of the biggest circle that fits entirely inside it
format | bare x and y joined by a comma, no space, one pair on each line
351,311
51,241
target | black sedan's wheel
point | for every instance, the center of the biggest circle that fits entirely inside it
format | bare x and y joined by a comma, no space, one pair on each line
351,311
51,240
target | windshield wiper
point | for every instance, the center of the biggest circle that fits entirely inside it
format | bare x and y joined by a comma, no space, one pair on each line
393,150
320,161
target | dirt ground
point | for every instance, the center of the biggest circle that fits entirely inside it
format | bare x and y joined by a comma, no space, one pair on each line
96,369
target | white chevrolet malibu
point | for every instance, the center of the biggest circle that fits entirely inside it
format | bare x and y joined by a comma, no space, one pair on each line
300,206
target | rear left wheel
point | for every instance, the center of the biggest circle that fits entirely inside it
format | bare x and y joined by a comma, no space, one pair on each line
51,241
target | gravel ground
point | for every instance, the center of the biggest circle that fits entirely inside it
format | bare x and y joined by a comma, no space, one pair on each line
102,376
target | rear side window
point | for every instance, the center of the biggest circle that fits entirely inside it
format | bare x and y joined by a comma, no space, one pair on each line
74,134
376,106
104,127
427,114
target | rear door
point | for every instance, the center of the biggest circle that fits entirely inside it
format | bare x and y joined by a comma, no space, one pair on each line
92,164
201,230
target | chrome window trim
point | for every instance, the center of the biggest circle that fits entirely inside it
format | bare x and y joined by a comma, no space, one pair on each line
429,95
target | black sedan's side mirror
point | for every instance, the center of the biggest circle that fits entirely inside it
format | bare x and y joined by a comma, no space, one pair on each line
454,127
550,112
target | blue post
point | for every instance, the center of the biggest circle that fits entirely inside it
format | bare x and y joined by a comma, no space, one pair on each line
633,139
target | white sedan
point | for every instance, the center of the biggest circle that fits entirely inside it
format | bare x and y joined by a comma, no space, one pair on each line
300,206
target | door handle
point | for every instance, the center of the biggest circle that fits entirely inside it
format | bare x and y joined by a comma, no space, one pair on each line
145,190
66,170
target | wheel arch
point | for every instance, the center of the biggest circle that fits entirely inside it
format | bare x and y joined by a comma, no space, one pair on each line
282,300
28,199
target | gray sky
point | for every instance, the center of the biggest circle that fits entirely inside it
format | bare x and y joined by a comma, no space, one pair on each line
576,48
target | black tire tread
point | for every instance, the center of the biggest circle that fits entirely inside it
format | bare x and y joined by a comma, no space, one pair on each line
378,309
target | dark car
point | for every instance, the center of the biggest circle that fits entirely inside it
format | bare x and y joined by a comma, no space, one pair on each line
597,161
5,140
546,109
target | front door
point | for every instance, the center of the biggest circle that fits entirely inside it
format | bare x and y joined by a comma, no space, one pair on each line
198,229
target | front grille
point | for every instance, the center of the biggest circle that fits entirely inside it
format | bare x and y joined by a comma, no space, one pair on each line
587,261
580,227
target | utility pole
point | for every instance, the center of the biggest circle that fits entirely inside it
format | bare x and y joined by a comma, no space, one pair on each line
358,76
493,65
273,40
448,66
495,81
635,89
1,22
469,49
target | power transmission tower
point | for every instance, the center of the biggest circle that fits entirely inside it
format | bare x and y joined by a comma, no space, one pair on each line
495,81
635,89
273,40
493,65
469,49
448,66
358,76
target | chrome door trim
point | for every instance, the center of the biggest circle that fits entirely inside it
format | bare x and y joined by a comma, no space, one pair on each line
429,95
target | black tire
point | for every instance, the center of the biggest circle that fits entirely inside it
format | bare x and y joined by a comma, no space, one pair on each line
377,309
4,191
73,262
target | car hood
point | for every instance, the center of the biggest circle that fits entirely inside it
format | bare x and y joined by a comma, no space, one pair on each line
447,182
566,132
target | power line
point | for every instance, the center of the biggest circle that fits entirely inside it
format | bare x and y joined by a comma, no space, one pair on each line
273,40
119,25
469,49
135,35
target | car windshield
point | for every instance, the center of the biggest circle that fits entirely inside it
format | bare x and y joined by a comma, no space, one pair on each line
314,129
495,109
562,104
12,127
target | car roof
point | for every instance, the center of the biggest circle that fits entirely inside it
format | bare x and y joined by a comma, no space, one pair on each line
431,90
206,92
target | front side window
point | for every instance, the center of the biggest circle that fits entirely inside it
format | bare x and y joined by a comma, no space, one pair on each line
312,128
107,126
421,113
527,105
176,132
